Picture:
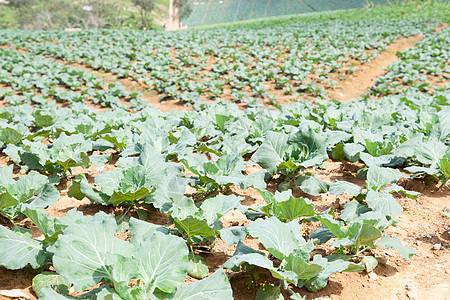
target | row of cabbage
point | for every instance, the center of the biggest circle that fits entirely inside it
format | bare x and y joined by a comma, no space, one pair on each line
35,79
154,150
192,65
424,67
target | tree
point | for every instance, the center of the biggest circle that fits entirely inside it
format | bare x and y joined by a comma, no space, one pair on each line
46,15
7,19
97,14
178,9
184,8
145,8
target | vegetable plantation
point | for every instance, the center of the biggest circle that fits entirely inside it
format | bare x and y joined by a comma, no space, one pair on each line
216,165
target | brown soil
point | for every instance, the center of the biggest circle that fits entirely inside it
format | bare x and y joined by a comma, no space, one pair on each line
444,25
151,97
363,78
425,276
3,88
365,75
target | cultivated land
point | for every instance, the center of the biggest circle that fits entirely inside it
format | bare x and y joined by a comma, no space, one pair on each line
310,160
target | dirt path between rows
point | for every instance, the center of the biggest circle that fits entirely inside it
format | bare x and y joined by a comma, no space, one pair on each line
151,97
365,75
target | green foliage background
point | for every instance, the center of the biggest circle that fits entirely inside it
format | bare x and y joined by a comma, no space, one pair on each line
60,14
395,10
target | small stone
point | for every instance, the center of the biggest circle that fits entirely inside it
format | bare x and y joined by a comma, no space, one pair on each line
373,276
409,286
430,235
437,247
418,243
235,223
381,259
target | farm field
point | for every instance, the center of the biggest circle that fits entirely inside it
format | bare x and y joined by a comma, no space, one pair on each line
303,161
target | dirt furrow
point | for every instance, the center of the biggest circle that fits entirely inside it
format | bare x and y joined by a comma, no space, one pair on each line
365,75
151,97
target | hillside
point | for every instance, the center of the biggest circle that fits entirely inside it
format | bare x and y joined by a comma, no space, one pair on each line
160,14
85,14
207,12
